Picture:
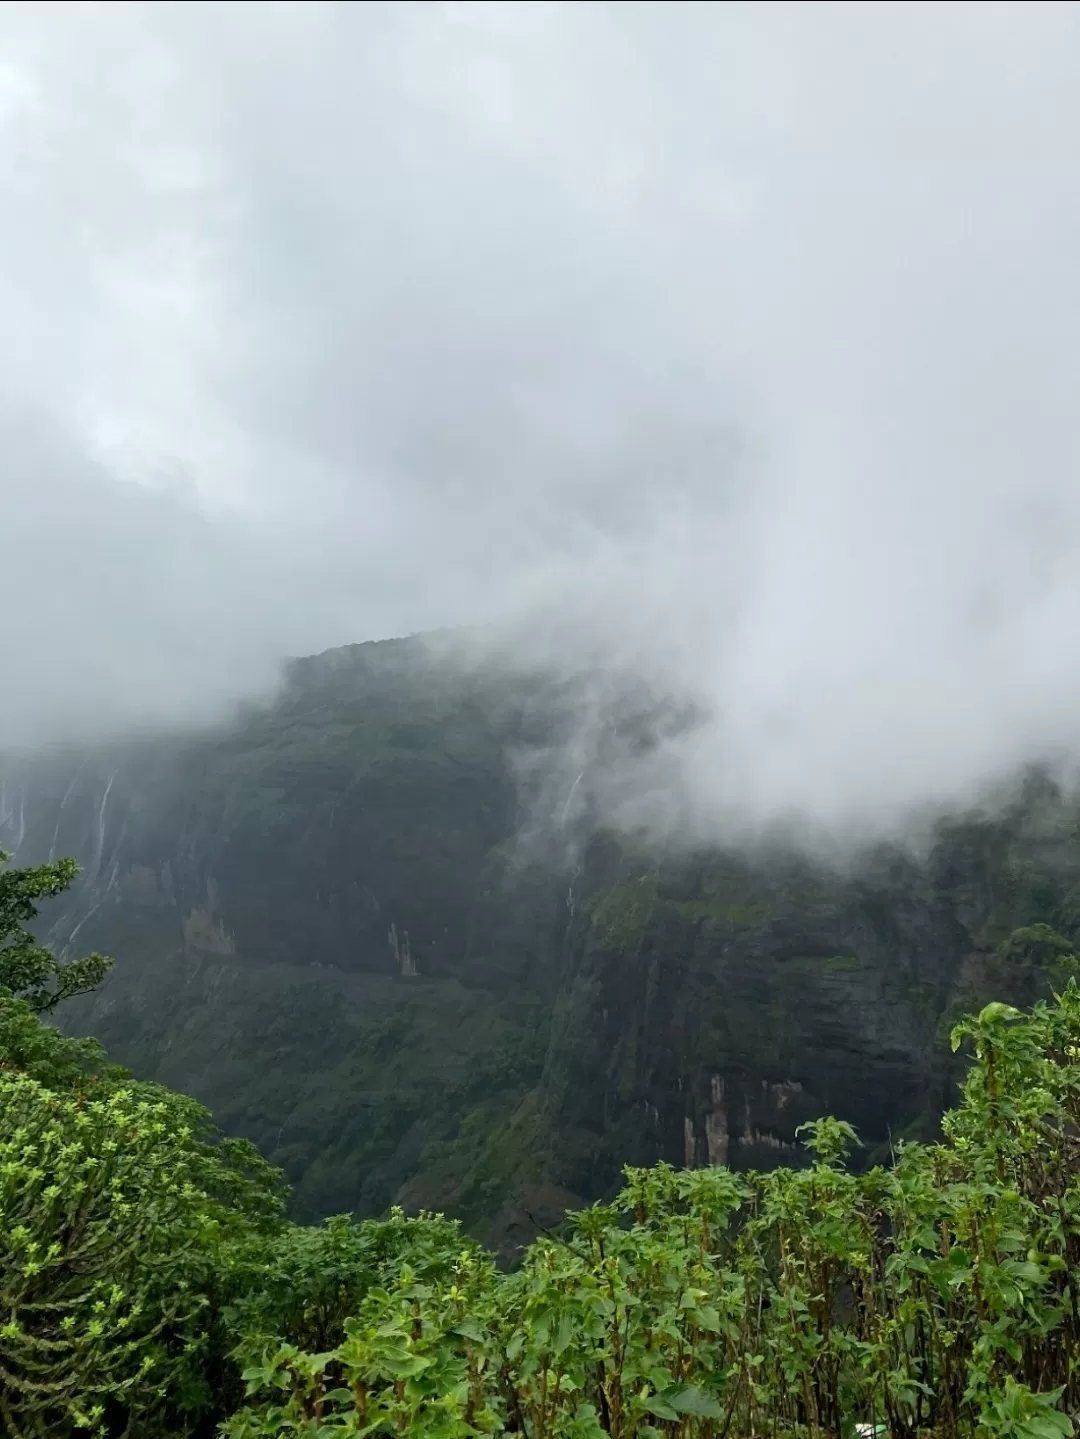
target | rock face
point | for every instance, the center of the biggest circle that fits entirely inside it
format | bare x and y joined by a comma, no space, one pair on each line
327,926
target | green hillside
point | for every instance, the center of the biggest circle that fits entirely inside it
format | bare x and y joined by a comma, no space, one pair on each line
374,929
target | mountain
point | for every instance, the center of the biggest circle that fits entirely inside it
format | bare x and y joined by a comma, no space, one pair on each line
377,929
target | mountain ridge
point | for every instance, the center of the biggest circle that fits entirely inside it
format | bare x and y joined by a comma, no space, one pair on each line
345,924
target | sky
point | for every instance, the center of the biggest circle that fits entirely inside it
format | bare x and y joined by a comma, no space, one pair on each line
743,338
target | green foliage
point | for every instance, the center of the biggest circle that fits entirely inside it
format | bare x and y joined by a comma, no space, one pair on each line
1036,955
149,1286
124,1219
622,913
304,1282
831,1140
842,964
122,1210
935,1297
27,969
106,1247
55,1059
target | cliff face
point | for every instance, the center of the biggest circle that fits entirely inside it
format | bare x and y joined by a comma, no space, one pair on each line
327,928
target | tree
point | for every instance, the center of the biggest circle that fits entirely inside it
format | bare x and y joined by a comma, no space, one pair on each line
29,970
124,1213
106,1243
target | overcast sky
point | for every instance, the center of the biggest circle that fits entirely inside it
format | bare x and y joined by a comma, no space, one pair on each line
748,334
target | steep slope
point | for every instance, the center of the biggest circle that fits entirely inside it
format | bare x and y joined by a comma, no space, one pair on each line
327,927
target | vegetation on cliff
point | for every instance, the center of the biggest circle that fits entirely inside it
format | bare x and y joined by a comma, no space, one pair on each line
150,1284
376,929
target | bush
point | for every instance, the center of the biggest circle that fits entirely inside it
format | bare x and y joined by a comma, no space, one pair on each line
935,1297
144,1259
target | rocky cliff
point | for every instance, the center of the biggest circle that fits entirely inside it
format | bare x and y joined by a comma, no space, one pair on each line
339,923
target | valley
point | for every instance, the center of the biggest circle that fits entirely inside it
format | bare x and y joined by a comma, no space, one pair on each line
340,924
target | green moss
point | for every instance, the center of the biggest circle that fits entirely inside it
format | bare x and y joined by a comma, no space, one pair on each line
1022,895
817,964
621,914
842,963
728,914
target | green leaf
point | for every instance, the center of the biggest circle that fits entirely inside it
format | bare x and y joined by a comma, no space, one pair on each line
469,1329
564,1334
1049,1426
994,1013
663,1408
693,1400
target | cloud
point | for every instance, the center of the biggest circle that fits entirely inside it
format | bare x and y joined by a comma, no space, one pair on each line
743,339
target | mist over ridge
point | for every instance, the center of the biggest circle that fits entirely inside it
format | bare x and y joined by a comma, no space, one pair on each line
733,349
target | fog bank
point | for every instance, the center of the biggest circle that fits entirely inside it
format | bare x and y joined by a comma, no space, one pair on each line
736,345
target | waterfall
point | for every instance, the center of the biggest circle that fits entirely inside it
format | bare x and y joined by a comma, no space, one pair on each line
60,811
570,796
101,825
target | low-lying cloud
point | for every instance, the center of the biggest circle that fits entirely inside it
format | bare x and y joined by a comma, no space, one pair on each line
736,344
